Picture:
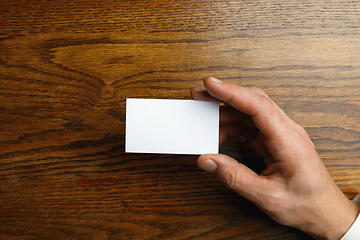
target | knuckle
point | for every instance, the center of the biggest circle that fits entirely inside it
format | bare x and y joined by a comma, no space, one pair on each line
229,180
273,207
257,90
265,101
303,133
265,98
274,203
300,129
260,93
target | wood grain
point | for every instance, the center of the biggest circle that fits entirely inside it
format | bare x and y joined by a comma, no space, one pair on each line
66,69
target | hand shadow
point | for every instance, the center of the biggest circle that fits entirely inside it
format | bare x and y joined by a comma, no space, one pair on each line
243,151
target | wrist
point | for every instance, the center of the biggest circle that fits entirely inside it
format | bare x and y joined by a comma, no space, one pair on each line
336,222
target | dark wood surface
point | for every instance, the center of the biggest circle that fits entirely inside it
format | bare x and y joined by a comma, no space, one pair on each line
66,68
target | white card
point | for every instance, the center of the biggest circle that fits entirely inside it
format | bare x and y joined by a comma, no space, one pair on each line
171,126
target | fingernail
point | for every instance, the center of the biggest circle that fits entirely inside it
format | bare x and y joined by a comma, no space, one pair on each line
215,80
208,165
200,89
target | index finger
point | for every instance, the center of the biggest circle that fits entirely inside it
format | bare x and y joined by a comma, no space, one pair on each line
265,113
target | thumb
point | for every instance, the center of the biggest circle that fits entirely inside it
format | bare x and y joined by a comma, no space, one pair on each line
234,175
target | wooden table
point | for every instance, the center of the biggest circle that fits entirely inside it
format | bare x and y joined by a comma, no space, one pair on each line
67,67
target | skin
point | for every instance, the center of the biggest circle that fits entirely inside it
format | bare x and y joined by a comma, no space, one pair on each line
295,189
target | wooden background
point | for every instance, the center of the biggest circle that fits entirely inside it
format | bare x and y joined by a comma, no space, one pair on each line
66,68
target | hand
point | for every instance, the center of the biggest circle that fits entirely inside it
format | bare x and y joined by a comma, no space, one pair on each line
295,189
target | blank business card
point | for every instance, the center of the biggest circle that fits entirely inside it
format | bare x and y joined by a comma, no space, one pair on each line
171,126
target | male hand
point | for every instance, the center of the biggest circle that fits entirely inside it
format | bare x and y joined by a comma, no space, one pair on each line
295,189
